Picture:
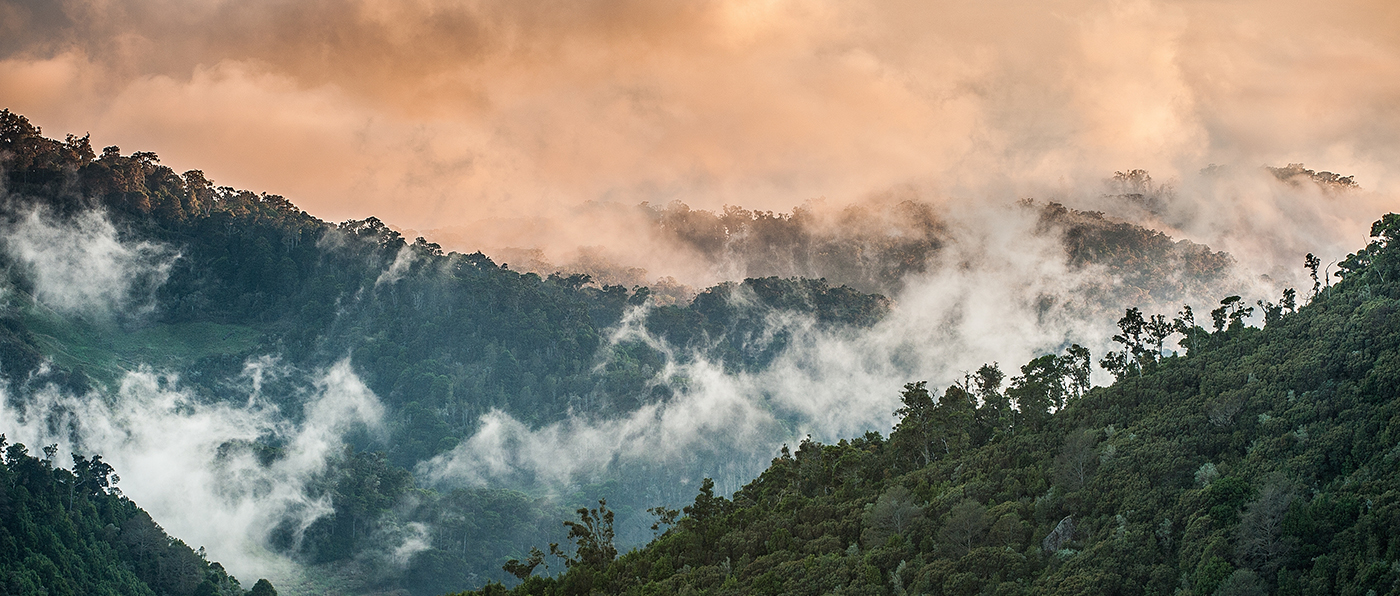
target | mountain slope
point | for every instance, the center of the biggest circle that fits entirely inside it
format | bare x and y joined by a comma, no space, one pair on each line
1262,461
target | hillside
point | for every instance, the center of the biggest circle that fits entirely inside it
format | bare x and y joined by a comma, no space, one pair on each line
1257,461
878,247
115,262
72,532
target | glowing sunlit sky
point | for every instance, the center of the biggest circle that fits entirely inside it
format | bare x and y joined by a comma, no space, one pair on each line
431,113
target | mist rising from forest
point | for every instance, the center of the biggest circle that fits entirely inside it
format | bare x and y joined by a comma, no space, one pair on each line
194,465
998,285
538,129
994,284
82,267
1264,217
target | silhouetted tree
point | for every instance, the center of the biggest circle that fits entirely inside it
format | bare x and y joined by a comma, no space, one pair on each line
1311,263
592,536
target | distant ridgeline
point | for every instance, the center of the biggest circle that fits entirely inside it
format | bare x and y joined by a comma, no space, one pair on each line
876,247
72,532
1261,461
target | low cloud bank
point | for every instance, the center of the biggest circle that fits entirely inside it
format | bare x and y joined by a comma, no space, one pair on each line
198,467
1002,291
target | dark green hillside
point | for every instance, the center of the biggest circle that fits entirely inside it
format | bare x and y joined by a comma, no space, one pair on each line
1261,461
68,532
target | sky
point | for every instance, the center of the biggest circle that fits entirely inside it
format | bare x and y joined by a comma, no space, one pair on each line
431,114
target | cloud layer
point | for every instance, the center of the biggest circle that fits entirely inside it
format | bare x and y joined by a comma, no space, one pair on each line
432,113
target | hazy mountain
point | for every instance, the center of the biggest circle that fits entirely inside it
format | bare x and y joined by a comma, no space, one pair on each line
337,407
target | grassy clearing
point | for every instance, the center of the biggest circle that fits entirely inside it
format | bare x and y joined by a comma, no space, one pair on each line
105,350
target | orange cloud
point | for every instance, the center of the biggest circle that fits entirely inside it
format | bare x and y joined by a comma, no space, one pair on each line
431,113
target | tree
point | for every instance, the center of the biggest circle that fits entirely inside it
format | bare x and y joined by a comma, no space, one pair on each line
1040,388
987,381
1075,365
892,513
1131,329
1186,324
1273,313
994,416
523,570
707,507
1159,329
1259,540
1242,582
664,517
94,476
1116,363
915,428
592,536
1311,263
263,588
932,430
967,525
1231,309
1137,182
1075,463
952,419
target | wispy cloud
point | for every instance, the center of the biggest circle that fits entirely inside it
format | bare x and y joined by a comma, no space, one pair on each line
1000,291
82,265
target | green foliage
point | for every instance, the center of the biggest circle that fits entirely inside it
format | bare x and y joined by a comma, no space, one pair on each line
72,532
1140,261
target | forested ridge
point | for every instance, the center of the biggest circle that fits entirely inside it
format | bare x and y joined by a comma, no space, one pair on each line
444,336
1250,461
878,247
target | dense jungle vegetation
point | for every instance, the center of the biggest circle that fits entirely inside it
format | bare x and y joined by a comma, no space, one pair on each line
1255,461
